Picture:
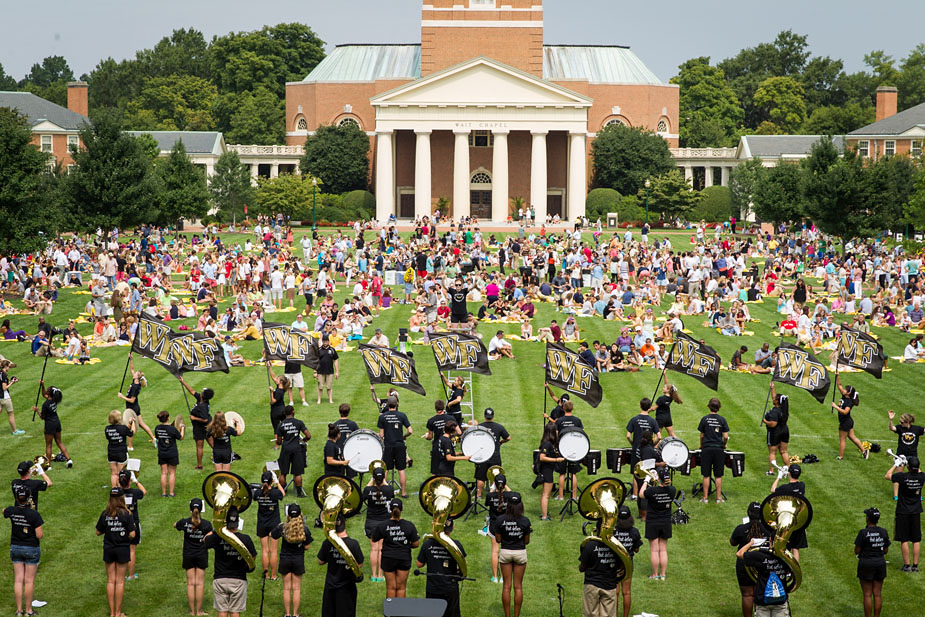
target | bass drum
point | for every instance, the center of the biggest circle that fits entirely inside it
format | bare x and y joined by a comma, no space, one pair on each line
478,444
361,448
673,451
574,444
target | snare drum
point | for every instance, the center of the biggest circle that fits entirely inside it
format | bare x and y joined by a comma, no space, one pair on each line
693,461
736,462
361,448
673,451
593,462
617,458
574,444
478,444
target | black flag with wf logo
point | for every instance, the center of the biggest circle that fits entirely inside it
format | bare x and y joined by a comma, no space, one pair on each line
861,351
696,360
460,352
800,368
566,370
391,367
178,352
281,342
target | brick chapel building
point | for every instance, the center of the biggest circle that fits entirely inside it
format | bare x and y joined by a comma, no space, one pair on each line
482,111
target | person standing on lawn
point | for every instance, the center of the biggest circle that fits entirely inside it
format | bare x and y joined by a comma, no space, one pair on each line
6,400
328,369
200,416
714,434
908,529
870,547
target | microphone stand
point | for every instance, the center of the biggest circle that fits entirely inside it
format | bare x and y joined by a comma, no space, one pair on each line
561,593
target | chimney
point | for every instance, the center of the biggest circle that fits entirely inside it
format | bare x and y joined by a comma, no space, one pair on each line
78,102
886,102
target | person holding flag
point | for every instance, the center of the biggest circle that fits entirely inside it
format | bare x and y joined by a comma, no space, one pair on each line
849,400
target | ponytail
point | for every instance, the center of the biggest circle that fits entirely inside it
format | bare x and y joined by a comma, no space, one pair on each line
196,518
294,530
396,513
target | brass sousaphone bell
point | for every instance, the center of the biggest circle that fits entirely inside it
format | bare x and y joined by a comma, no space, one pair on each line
338,496
376,464
445,498
224,490
601,501
785,515
493,472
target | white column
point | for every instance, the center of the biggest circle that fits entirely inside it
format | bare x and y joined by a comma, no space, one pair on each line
538,184
499,178
707,176
385,177
689,174
210,170
460,174
422,175
725,176
577,175
274,170
255,168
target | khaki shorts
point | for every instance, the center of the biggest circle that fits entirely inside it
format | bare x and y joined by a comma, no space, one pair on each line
229,595
6,404
325,381
295,380
517,557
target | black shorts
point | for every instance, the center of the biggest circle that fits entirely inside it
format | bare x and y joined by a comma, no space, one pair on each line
173,461
454,318
783,435
137,539
197,561
52,426
119,459
712,462
370,526
871,573
199,431
481,469
798,540
395,457
908,528
742,576
846,424
291,461
658,529
263,531
290,564
569,465
663,420
393,564
117,554
276,418
221,457
546,472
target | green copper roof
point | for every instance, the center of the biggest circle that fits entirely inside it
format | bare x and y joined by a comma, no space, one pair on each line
368,63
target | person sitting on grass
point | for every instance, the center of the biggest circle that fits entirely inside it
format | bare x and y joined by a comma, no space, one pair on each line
737,364
498,347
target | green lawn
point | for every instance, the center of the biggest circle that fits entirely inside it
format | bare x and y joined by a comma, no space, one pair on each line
701,571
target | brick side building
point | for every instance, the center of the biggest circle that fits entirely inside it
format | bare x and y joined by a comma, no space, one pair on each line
54,128
892,133
481,111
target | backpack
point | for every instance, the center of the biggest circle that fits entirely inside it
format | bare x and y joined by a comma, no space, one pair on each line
409,275
770,591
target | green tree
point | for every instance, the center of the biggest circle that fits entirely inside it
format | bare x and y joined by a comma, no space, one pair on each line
25,196
600,201
286,194
889,183
252,117
882,65
339,157
231,187
914,209
113,84
838,119
820,78
113,183
183,190
671,195
6,82
911,78
49,79
743,182
715,205
174,103
781,99
778,194
625,157
709,110
184,52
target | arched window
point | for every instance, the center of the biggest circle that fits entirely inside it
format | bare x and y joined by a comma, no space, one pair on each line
480,177
615,122
662,126
347,121
301,124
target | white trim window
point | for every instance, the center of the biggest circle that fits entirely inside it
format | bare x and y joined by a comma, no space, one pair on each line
348,120
889,147
864,148
72,141
46,143
481,139
482,4
915,148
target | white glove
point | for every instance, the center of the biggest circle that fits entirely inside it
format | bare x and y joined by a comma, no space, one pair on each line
134,479
275,477
39,470
901,460
782,473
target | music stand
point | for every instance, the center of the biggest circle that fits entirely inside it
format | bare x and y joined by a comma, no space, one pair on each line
413,607
571,502
477,506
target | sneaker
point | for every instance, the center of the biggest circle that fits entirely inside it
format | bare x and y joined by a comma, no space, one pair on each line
304,404
720,501
70,463
19,432
661,577
907,568
704,501
136,576
131,449
915,568
866,454
839,458
495,579
484,532
300,492
769,473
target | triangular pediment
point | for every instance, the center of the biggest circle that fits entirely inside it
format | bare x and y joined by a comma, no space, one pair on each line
46,125
481,82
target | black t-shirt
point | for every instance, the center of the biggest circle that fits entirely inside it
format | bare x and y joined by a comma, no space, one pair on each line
193,536
228,562
339,574
458,301
439,561
49,411
908,439
873,542
278,406
658,501
496,507
345,426
291,549
34,487
201,410
392,423
334,451
223,443
454,409
765,562
630,538
739,537
549,449
268,506
445,447
600,565
791,488
291,430
637,425
568,422
773,415
910,492
24,521
132,497
397,538
134,390
377,501
556,413
663,410
500,434
116,529
167,436
116,435
435,426
292,368
326,358
513,532
713,426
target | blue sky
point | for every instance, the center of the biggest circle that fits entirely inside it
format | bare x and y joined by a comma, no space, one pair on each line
663,34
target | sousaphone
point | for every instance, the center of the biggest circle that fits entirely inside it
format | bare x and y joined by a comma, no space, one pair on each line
224,490
785,515
445,498
338,496
601,501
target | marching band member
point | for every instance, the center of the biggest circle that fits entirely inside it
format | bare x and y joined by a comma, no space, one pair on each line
793,487
219,436
200,416
714,434
117,435
131,399
743,535
268,496
441,570
778,435
49,414
871,546
295,539
195,555
512,532
908,529
34,486
398,537
501,436
25,553
168,454
117,527
658,519
549,457
132,496
849,400
376,495
289,435
339,598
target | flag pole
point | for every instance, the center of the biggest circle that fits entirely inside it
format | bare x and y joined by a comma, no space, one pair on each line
185,396
125,372
42,378
665,368
837,364
766,401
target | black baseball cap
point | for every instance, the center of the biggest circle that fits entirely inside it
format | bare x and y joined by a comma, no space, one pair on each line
565,397
116,491
489,413
293,510
514,498
624,512
24,467
396,503
379,473
500,480
195,504
233,517
267,477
